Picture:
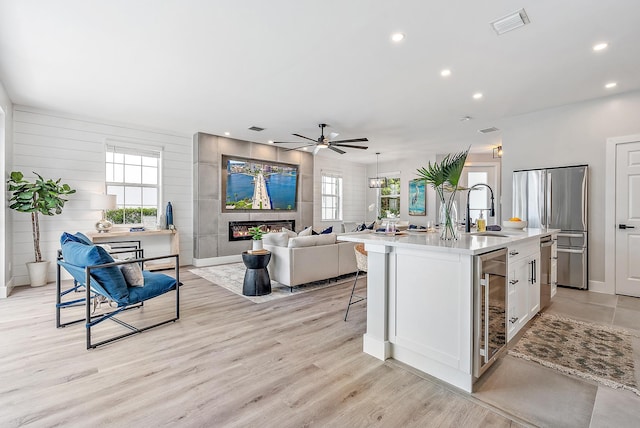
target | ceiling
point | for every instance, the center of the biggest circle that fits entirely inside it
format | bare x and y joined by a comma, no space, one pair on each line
288,65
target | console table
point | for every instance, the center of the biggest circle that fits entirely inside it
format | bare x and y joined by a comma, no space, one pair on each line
116,235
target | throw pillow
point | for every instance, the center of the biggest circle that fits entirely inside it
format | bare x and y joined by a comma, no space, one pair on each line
78,237
371,226
110,278
327,230
132,274
291,233
306,232
361,227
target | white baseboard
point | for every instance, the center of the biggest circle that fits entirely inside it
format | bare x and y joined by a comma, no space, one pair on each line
213,261
5,290
601,287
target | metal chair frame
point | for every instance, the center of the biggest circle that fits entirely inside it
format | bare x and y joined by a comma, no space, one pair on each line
361,262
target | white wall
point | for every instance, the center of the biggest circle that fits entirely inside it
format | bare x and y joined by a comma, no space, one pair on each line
354,185
571,135
6,228
408,171
57,145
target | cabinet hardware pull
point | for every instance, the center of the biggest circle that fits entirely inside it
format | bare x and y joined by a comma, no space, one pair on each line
513,282
624,226
513,253
512,320
554,258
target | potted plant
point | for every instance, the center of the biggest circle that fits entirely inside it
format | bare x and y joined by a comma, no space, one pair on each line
256,233
38,197
444,177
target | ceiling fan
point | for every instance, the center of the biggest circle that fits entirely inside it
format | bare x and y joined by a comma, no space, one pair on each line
325,143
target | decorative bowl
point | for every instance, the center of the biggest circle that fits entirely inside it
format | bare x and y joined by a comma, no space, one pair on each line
508,224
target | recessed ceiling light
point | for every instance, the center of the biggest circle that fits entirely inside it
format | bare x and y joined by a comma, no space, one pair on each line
465,118
445,73
270,141
600,46
397,37
304,148
477,95
227,133
611,85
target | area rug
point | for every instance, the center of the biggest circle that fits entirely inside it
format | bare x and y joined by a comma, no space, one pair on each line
600,353
231,277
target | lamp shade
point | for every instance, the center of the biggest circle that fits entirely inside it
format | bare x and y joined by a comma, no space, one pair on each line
102,202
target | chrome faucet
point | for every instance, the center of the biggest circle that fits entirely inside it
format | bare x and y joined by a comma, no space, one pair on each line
492,211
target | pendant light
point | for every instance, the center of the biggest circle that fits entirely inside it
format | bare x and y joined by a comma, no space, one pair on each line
377,182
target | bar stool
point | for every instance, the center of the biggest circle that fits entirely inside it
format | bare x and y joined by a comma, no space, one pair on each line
361,263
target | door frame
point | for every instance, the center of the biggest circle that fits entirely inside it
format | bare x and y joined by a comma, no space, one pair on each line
610,222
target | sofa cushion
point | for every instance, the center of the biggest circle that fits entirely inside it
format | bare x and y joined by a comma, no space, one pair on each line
303,241
110,278
326,239
277,239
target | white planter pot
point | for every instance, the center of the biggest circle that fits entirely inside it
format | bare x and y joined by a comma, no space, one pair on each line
38,273
257,245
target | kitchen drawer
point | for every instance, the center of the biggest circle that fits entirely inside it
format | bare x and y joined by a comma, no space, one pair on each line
520,251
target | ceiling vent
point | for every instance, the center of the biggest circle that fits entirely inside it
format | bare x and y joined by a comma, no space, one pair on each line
256,128
488,130
510,22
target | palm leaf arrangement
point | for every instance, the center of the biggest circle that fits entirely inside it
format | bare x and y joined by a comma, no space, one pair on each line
444,177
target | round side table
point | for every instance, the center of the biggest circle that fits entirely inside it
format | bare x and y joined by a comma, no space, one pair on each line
256,278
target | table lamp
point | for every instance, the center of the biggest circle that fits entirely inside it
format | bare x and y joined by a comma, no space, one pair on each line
103,203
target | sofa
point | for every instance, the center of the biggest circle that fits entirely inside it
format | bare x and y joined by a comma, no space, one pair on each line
297,260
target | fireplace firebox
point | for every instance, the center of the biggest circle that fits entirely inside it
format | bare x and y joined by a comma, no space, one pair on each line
239,230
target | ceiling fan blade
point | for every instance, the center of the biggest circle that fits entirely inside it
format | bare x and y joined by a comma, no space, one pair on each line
300,147
306,138
352,140
350,146
335,149
286,142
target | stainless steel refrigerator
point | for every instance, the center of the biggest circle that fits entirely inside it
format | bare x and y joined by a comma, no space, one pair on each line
556,198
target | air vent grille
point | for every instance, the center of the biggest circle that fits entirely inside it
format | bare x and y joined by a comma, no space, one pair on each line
488,130
510,22
256,128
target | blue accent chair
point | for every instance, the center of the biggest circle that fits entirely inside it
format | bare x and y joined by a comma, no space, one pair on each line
92,265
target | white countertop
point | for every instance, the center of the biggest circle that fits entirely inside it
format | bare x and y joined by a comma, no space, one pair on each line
467,243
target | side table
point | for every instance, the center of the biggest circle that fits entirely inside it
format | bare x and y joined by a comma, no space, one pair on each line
256,278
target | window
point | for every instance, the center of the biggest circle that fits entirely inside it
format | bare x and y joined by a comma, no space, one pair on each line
133,175
479,196
331,197
390,198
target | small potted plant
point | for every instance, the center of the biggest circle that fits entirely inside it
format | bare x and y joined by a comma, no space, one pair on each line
38,197
256,233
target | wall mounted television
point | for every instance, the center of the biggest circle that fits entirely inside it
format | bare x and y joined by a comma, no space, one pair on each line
258,185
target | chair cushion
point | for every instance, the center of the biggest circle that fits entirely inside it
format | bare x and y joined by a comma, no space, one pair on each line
155,284
78,237
110,278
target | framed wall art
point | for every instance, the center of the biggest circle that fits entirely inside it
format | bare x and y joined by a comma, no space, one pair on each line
417,197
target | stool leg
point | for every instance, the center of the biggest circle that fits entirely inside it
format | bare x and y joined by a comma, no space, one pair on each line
351,298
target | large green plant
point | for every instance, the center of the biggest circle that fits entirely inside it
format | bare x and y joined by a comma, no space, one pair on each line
38,197
444,177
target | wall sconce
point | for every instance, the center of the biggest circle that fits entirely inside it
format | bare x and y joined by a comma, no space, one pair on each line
497,152
377,182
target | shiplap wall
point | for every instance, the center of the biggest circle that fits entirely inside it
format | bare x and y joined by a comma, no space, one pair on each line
354,187
57,145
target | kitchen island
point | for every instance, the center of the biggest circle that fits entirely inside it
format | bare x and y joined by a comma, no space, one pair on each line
420,296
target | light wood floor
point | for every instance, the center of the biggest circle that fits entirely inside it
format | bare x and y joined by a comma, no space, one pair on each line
226,363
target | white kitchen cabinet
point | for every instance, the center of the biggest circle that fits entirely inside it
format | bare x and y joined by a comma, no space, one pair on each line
523,297
553,274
